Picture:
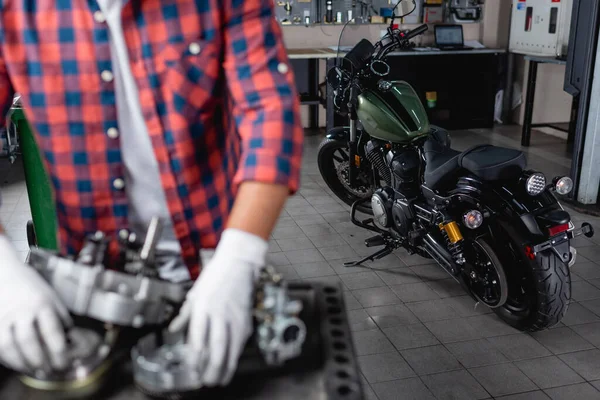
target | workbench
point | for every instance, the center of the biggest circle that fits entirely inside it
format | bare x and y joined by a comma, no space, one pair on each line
466,82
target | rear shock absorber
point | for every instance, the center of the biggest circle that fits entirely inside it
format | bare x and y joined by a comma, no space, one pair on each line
454,240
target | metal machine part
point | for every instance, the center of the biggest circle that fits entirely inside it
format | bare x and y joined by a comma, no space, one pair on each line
88,289
163,363
90,356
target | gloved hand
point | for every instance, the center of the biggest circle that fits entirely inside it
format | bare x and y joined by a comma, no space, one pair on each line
218,308
31,317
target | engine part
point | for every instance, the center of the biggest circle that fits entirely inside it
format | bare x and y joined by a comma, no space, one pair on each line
405,167
402,217
375,157
90,357
165,364
88,289
381,204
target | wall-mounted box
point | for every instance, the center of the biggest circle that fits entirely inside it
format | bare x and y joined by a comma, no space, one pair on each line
540,27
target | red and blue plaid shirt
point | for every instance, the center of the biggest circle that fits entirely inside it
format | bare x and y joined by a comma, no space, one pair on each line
227,114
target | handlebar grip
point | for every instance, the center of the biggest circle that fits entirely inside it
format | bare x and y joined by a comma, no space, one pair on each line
415,32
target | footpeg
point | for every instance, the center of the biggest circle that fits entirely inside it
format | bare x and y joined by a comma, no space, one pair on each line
375,241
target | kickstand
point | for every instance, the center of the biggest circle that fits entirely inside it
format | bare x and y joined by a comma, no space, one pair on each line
387,250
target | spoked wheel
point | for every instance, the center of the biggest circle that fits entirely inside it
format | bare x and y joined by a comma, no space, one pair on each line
334,165
487,278
539,290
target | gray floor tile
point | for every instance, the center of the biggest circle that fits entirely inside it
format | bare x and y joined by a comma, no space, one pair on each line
446,288
583,290
359,320
373,297
297,243
596,384
328,280
389,262
595,282
283,222
338,252
410,336
574,392
549,372
537,395
371,342
310,219
406,389
398,276
592,253
384,367
287,272
300,210
327,241
430,360
563,340
587,270
350,301
303,256
277,259
329,208
336,217
465,306
318,230
339,267
490,325
476,353
585,363
412,292
362,280
432,310
274,247
287,232
430,272
519,347
368,392
454,385
592,305
452,330
577,314
590,332
502,379
313,270
390,316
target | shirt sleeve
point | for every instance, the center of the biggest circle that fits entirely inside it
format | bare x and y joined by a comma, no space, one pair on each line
6,93
262,87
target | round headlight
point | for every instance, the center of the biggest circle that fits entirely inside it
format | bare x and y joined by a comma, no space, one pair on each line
473,219
564,185
536,184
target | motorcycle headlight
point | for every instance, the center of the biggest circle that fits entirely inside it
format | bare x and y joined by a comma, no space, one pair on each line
564,185
535,184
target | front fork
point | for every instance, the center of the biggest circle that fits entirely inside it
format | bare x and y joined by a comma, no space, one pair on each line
352,167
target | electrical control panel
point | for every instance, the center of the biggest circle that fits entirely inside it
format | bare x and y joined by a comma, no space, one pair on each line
540,27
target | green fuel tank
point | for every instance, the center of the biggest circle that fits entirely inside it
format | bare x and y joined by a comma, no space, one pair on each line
392,112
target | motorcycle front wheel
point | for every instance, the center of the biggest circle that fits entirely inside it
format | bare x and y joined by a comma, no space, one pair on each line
334,165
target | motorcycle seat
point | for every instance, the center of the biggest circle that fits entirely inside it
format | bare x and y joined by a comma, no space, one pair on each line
492,163
442,161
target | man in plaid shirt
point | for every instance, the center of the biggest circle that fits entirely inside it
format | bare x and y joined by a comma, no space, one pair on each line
180,109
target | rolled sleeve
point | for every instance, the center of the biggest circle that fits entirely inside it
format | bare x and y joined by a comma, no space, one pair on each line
265,103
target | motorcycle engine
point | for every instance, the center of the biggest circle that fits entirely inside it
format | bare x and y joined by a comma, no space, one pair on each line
389,204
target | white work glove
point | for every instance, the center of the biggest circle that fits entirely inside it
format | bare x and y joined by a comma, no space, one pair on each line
31,317
218,308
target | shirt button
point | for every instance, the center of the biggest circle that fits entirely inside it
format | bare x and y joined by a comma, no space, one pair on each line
112,133
282,68
194,48
106,76
99,17
119,184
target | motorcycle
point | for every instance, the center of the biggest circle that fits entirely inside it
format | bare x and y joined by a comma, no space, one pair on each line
495,226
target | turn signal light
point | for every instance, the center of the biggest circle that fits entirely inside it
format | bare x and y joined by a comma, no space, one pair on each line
555,230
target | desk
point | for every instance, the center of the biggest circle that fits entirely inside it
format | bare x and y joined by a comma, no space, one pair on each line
466,82
305,63
530,100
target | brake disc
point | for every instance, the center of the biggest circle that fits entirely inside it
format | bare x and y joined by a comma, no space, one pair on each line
343,173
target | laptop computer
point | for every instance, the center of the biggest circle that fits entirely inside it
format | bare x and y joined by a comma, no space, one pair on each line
450,37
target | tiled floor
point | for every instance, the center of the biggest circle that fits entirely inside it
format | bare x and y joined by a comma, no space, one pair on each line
417,335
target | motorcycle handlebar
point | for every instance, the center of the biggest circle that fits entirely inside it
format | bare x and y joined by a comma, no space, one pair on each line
415,32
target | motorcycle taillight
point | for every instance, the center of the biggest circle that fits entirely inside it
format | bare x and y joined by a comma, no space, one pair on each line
555,230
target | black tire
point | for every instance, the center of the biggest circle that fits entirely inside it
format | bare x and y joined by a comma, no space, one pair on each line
546,282
326,161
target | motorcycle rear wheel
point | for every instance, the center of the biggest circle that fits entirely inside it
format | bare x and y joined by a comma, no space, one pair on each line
333,163
539,290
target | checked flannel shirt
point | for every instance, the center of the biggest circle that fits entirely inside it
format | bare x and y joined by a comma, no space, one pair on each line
216,91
